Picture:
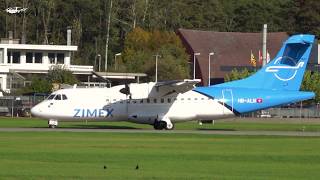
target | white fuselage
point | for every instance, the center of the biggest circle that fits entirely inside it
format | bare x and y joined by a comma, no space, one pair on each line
142,106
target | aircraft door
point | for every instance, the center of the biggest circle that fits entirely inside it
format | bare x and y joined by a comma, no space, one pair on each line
227,101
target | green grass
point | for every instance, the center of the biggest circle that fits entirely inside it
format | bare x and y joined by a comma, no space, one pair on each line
231,124
66,155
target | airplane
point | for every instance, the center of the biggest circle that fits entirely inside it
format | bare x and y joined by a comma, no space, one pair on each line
15,10
162,104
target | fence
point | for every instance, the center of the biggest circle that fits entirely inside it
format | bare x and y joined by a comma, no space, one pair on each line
287,112
18,105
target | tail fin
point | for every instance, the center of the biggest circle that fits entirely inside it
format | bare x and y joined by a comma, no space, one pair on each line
285,71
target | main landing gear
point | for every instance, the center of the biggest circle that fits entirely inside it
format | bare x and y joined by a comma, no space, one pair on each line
160,125
53,123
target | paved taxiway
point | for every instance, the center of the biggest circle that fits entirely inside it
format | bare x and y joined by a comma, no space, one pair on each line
213,132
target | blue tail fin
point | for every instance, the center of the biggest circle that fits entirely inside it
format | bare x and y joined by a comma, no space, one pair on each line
285,71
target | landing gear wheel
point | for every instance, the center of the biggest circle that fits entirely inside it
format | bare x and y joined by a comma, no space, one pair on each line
156,126
52,123
169,126
159,125
52,126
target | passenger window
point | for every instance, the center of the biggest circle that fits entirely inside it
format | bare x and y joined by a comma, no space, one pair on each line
189,98
195,99
58,97
64,97
51,96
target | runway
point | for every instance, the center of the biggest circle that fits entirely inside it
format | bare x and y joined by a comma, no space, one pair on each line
208,132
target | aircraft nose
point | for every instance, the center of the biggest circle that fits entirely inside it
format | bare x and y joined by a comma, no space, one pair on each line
35,111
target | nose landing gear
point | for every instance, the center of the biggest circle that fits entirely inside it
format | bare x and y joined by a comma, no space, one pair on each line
160,125
52,123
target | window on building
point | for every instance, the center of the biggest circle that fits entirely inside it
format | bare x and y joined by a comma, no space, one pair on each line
51,57
16,57
154,100
60,58
9,57
29,56
169,100
162,100
1,56
38,57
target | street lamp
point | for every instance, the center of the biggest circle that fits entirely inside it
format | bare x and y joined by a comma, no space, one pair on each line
209,75
194,64
99,59
157,55
115,60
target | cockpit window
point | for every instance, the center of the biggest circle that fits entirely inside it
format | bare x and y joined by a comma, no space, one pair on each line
64,97
58,97
51,96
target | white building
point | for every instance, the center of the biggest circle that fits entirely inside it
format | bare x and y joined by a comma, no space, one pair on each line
19,59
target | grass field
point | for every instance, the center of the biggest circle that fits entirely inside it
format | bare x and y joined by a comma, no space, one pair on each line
65,155
229,124
69,155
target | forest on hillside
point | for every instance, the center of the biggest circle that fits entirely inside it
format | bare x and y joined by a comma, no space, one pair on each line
46,21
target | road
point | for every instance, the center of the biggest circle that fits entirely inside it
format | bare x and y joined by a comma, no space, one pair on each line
209,132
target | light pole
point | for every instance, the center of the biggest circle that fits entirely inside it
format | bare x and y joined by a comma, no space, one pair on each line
99,59
209,73
115,60
157,55
194,64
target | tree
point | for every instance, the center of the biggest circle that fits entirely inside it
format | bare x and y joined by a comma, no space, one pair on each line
311,82
251,15
236,75
141,46
38,85
307,18
57,74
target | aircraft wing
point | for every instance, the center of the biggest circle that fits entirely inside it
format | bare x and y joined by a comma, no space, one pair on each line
175,86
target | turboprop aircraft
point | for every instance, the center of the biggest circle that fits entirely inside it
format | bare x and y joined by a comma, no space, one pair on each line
162,104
